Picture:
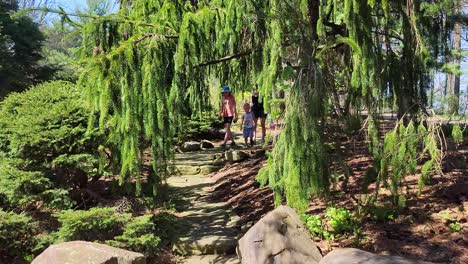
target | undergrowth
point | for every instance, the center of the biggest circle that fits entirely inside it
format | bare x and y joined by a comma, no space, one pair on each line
334,223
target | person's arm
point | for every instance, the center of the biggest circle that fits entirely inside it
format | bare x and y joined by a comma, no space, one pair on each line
221,108
242,123
235,107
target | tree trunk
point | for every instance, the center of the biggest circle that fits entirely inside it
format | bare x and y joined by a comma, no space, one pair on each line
455,89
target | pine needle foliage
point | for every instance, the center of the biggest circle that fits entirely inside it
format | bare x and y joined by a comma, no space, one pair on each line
149,65
16,234
404,148
457,134
143,78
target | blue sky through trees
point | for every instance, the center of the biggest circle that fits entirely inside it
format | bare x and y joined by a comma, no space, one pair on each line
71,4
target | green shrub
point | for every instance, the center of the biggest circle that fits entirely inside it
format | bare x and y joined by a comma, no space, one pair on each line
457,134
335,222
314,224
167,226
96,224
16,234
456,226
453,224
382,212
19,188
202,126
46,122
44,136
341,220
139,235
143,234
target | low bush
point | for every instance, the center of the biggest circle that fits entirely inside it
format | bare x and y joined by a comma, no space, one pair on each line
16,234
335,222
341,220
145,234
96,224
46,147
48,122
20,188
205,126
138,235
457,134
44,122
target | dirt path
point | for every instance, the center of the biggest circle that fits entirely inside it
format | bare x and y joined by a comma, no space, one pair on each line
209,229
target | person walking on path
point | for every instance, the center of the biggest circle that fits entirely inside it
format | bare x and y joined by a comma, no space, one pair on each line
247,125
228,113
258,113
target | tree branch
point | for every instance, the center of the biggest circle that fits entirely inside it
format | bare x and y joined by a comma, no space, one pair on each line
227,58
152,35
111,17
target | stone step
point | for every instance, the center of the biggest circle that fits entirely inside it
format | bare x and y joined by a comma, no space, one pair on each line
209,228
210,259
198,156
210,244
182,169
193,181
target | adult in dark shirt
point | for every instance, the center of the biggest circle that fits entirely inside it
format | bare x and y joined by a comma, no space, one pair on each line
258,113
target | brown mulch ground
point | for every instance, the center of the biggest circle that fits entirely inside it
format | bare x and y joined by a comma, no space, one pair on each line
420,231
236,185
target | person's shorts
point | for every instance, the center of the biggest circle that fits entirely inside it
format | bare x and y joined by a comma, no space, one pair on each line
228,119
248,132
259,114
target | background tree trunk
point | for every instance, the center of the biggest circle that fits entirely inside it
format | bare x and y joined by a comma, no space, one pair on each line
455,89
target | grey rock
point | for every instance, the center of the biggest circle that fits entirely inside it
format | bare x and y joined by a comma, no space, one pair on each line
259,153
357,256
191,146
279,237
81,252
205,144
187,170
207,169
210,259
236,155
194,169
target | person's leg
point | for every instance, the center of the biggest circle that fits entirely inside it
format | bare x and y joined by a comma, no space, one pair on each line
255,119
228,136
262,124
229,133
226,133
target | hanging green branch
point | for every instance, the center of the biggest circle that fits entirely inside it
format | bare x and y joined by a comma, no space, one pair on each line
404,148
224,59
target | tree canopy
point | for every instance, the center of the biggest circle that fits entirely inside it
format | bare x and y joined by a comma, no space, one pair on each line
150,64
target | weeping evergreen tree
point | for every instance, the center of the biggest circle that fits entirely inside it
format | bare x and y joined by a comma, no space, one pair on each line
149,65
382,49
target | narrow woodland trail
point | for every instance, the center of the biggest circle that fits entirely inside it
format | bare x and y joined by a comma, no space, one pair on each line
209,229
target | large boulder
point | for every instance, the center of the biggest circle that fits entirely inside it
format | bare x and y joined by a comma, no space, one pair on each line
191,146
279,237
80,252
356,256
